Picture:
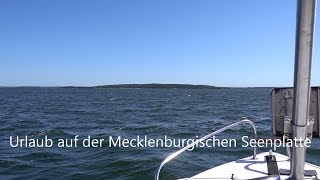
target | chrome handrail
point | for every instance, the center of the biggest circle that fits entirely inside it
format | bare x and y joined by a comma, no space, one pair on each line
175,154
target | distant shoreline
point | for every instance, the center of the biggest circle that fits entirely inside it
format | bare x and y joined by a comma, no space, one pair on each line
159,86
139,86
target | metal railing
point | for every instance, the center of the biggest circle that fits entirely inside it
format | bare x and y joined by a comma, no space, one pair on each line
175,154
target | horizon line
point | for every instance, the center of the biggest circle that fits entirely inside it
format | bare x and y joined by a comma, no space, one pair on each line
93,86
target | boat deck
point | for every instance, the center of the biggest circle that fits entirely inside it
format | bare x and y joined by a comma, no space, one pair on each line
248,168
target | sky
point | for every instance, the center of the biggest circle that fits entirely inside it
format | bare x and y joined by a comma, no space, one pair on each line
231,43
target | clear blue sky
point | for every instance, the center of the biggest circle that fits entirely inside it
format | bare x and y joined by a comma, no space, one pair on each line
215,42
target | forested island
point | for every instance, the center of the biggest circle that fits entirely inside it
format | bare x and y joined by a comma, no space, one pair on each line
159,86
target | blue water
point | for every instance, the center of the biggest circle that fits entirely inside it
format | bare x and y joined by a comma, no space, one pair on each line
177,113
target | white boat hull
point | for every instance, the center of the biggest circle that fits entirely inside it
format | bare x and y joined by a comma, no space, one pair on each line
248,168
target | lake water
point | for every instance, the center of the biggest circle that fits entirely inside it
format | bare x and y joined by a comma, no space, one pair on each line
62,113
